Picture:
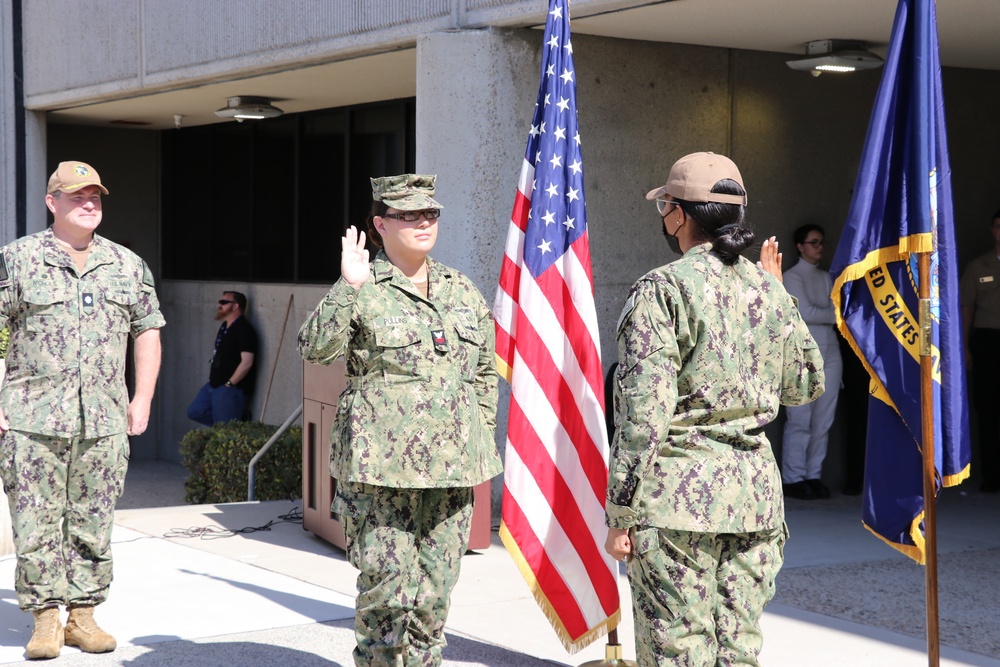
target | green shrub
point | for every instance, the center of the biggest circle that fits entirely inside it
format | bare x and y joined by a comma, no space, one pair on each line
217,459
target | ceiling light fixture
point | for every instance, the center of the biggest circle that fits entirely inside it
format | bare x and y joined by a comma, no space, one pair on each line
835,55
249,107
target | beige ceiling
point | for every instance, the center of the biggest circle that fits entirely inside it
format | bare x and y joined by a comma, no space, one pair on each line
302,89
967,29
968,33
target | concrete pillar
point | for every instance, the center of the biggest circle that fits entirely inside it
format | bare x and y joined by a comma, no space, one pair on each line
8,196
8,108
474,106
36,171
32,139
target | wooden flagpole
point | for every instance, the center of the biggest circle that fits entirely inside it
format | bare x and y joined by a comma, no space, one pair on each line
929,468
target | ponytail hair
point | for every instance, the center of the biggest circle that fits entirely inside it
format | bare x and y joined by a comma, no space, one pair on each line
722,224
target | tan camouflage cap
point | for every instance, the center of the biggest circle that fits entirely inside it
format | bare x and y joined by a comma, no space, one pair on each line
71,176
406,192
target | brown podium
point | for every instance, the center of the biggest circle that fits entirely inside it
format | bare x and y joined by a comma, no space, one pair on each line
321,387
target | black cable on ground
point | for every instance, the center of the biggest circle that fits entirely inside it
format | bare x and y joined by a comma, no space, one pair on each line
214,532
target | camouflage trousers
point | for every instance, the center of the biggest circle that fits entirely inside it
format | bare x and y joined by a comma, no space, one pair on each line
62,494
698,597
408,545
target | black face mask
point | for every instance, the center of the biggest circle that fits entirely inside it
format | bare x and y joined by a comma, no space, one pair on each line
671,239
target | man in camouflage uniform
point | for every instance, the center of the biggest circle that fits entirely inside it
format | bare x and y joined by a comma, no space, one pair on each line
414,428
71,299
708,347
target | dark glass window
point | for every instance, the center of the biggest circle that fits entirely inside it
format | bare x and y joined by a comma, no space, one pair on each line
268,201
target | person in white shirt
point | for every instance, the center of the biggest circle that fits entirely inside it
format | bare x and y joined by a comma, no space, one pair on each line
807,429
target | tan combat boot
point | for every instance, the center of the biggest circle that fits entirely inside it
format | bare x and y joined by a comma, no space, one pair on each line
83,632
47,637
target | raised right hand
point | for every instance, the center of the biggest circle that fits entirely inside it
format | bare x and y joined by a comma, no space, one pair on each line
354,258
770,258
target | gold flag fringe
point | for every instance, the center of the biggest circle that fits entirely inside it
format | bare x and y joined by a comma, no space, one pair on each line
907,245
915,552
957,478
571,644
503,370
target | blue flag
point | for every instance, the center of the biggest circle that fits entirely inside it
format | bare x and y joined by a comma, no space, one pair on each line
901,207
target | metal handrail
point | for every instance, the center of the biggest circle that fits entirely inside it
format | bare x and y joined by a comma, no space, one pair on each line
252,470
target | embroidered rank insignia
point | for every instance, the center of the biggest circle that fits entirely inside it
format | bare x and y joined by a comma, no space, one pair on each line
440,342
88,300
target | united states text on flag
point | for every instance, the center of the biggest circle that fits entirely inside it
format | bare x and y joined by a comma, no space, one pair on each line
556,472
902,207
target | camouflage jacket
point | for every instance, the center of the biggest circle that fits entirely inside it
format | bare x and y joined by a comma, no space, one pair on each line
416,413
68,334
706,354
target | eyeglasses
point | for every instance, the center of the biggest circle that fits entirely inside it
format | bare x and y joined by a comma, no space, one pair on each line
413,216
662,205
815,243
223,302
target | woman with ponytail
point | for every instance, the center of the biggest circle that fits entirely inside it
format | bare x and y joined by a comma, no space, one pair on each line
708,347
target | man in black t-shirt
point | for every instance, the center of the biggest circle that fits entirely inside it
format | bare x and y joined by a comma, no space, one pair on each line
232,372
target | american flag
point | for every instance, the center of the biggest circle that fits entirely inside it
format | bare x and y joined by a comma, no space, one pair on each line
556,470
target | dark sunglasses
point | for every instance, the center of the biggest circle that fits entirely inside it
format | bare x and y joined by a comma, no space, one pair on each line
413,216
223,302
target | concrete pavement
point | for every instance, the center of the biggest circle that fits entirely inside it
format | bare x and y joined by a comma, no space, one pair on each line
190,592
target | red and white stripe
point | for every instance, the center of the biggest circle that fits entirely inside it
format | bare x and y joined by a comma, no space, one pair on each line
556,473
